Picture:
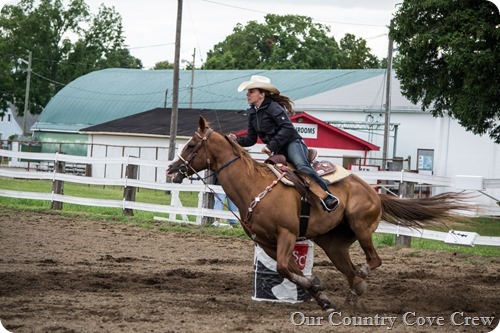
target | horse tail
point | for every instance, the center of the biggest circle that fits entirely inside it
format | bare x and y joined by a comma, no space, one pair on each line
417,212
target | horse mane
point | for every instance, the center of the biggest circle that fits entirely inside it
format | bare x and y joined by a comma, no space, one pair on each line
251,164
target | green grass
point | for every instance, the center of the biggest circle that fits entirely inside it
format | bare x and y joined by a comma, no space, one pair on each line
25,185
188,199
389,240
95,191
484,226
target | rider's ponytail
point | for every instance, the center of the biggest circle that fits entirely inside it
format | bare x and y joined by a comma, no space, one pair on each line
283,100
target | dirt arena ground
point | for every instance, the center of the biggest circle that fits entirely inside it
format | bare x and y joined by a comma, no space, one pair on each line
61,274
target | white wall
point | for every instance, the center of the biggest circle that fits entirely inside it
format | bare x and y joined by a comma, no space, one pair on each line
9,126
413,131
463,153
456,151
148,148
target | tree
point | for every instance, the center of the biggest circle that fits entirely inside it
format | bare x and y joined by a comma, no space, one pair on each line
448,60
163,65
4,82
282,42
43,27
355,54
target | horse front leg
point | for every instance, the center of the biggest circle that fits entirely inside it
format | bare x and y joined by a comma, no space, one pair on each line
287,268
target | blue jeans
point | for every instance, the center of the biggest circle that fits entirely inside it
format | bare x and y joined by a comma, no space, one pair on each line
296,153
219,206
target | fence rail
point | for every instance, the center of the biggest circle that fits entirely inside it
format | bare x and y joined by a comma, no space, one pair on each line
175,207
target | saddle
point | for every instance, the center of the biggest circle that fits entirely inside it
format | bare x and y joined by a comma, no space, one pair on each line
289,176
331,173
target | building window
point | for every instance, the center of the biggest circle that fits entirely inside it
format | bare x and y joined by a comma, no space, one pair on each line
8,118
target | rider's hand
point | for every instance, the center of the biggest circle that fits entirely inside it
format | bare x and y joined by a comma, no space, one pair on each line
267,151
232,136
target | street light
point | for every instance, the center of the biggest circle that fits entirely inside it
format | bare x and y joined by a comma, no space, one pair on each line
191,63
387,119
27,95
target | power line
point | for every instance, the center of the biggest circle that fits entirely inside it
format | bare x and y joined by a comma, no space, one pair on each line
316,19
375,37
237,7
47,79
147,46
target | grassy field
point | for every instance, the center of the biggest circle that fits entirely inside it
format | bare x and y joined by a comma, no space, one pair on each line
189,199
483,225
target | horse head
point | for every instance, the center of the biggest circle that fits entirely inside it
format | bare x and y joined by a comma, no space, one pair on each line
193,157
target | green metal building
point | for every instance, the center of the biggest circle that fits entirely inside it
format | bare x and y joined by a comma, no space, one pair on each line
110,94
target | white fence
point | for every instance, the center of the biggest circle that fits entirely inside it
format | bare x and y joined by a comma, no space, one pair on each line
175,207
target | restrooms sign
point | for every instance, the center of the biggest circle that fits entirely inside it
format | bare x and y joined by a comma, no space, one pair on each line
307,131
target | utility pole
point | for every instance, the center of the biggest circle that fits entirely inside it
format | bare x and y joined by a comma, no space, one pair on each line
192,80
387,122
27,95
175,95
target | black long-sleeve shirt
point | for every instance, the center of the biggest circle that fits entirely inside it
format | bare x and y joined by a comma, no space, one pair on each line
271,124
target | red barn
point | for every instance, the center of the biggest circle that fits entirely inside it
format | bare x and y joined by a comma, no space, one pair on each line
318,134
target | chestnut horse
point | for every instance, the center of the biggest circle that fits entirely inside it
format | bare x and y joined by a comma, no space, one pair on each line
273,221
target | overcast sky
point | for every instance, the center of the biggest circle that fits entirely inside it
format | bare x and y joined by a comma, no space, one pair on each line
150,25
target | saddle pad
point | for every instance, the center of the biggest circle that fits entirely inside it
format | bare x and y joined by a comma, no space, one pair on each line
339,174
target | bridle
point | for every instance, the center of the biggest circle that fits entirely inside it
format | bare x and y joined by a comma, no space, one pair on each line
183,168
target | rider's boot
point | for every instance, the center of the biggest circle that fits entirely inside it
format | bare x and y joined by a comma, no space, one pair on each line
330,202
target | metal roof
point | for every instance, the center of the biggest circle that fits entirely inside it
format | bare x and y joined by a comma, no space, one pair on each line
157,122
109,94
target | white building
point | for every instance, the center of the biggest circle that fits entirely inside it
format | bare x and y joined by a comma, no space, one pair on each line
348,97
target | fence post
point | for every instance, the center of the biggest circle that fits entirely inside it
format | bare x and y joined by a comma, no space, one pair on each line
58,185
130,191
88,170
406,190
208,202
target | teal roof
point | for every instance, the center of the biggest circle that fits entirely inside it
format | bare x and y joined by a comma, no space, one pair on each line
111,94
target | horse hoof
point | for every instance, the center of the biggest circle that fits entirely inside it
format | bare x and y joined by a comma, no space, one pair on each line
329,310
316,284
363,270
324,302
360,288
351,298
328,306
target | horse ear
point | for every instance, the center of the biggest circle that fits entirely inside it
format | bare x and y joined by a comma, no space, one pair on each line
201,123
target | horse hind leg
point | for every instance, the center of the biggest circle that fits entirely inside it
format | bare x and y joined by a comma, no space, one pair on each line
373,260
364,236
336,245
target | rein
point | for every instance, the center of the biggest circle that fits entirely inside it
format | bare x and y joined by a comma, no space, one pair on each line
216,171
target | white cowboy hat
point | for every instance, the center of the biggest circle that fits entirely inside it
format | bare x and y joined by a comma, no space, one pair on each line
261,82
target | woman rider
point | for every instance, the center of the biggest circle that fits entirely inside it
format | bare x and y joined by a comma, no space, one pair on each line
268,120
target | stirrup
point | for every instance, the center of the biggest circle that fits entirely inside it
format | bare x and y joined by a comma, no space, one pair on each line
312,154
325,207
